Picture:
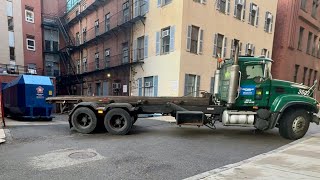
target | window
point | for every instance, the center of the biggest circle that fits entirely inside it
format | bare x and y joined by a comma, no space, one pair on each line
77,38
268,22
165,41
318,53
96,27
107,57
315,5
303,4
194,39
140,48
250,49
192,85
85,64
10,23
315,76
126,13
223,6
78,66
107,22
239,9
233,47
296,71
98,89
125,53
29,14
148,86
96,59
51,40
314,45
12,54
309,42
84,34
300,38
252,71
220,46
254,15
166,2
304,75
310,74
264,52
31,43
89,90
32,68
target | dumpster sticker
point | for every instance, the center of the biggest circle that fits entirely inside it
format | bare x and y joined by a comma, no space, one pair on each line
248,90
40,92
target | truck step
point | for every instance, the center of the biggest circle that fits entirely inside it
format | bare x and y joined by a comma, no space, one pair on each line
191,118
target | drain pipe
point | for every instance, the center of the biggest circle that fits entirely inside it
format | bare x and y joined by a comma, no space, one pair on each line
234,77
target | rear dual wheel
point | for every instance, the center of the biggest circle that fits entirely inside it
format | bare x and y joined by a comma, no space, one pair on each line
118,121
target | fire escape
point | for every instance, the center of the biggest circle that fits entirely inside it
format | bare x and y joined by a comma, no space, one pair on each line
102,31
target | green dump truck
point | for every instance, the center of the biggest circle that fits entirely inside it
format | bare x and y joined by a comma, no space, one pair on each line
245,94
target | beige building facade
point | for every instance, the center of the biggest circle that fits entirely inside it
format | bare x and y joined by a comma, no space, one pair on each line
11,46
183,40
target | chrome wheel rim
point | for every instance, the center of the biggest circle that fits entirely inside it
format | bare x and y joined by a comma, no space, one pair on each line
299,124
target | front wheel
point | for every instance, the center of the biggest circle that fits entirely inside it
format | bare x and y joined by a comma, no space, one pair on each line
118,121
294,124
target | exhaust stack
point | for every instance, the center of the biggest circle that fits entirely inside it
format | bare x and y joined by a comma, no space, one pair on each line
234,77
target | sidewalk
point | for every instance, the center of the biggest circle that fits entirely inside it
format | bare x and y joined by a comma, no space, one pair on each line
298,160
2,134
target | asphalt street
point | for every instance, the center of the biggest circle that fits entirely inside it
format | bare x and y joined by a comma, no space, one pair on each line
153,150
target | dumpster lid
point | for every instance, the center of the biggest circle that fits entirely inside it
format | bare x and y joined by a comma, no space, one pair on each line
30,79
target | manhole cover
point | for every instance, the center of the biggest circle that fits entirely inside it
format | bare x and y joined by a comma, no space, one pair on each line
82,155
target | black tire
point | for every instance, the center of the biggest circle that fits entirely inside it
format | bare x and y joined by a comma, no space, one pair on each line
294,124
84,120
134,119
118,122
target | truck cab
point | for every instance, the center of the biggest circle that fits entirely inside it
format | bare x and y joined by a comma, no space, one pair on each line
263,101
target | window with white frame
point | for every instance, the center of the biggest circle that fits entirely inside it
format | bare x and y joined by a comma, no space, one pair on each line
192,85
239,9
268,22
223,6
254,14
250,49
232,51
29,15
314,11
220,46
165,40
107,57
31,43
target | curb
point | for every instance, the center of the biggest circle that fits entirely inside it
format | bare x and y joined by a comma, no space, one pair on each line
255,158
2,136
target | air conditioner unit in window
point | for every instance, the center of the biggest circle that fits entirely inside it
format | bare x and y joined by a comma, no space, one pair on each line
32,71
96,55
107,53
116,86
269,16
165,33
96,23
84,60
254,7
147,84
250,46
84,29
240,2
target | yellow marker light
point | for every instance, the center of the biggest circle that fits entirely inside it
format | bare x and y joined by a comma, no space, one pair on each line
100,112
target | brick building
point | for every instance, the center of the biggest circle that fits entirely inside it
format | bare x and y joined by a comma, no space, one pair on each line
296,50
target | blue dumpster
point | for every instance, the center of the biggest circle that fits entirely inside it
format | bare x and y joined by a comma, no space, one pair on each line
25,97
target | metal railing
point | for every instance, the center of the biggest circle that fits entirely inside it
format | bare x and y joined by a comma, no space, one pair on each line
18,69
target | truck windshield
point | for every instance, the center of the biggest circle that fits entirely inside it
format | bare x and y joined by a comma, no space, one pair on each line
252,71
